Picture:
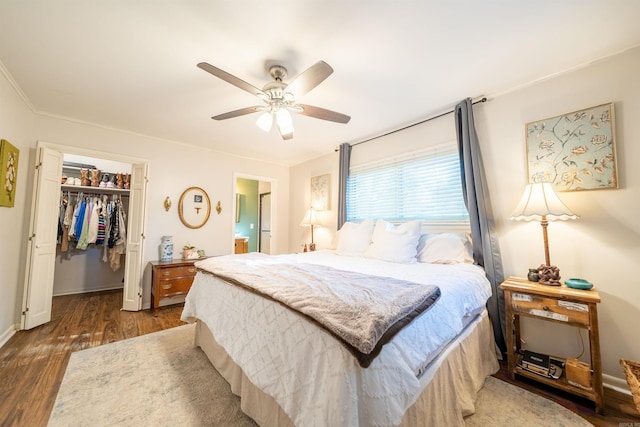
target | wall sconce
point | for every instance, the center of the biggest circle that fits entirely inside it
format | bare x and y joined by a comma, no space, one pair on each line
167,204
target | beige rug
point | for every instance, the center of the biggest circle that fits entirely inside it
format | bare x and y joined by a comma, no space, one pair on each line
161,379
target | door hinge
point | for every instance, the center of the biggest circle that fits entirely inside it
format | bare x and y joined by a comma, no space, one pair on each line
33,236
24,313
38,165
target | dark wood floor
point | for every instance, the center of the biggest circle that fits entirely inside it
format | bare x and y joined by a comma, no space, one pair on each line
32,363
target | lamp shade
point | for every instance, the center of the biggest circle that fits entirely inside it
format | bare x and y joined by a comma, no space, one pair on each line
310,219
540,200
265,120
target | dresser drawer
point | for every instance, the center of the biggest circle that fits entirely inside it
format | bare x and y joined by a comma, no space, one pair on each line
550,308
181,271
174,286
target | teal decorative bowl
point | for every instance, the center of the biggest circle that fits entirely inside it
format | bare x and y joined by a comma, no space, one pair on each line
578,284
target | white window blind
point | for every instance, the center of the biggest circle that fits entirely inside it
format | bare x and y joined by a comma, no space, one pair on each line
422,186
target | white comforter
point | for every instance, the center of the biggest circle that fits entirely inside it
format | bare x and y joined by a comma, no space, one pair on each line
315,380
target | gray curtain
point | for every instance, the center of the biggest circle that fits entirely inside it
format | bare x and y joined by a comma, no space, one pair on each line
486,250
345,157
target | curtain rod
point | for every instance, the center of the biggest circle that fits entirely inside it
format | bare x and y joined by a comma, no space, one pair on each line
483,99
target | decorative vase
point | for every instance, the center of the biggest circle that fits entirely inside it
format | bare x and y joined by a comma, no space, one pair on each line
166,248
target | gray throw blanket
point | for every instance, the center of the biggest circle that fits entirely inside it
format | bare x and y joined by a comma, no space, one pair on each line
363,312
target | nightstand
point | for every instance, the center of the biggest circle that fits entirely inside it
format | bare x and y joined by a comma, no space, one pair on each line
241,245
170,279
559,304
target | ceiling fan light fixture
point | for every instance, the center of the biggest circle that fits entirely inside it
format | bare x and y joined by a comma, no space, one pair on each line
286,129
283,118
285,123
265,121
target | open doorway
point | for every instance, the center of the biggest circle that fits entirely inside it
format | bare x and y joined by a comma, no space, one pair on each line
255,214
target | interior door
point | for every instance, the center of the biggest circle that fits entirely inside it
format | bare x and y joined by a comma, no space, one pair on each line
41,247
132,295
265,223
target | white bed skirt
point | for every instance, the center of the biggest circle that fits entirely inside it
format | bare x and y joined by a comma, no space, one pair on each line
457,376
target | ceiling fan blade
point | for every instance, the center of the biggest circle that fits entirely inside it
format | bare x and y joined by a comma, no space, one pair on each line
322,113
309,79
229,78
236,113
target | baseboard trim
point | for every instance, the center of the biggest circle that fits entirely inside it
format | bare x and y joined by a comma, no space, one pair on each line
618,384
6,335
86,291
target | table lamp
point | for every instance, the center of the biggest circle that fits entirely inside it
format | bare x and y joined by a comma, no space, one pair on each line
540,202
310,220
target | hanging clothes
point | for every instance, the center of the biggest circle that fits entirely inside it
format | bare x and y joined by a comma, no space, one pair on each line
83,240
93,220
101,222
119,236
92,234
66,223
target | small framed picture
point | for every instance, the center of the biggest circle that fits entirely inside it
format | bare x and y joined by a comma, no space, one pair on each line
320,192
197,198
9,156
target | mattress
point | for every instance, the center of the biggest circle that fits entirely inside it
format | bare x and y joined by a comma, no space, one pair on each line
308,374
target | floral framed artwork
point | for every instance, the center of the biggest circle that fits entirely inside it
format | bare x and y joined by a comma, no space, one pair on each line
9,156
574,151
320,192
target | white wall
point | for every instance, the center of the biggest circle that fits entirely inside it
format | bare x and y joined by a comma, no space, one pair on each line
16,123
173,167
603,246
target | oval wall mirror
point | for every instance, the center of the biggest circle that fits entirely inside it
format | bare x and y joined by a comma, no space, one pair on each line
194,207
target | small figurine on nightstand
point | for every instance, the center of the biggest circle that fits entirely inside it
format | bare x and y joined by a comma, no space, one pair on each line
533,275
549,275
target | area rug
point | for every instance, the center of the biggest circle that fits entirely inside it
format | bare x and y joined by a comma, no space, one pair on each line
161,379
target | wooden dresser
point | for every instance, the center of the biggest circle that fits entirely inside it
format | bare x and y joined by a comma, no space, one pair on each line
170,279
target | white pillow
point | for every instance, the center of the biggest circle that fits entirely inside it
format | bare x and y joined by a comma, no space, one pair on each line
395,244
354,238
445,248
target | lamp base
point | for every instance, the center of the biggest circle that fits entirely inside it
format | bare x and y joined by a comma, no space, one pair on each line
549,275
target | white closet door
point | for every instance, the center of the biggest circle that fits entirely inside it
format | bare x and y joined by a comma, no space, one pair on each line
41,248
132,295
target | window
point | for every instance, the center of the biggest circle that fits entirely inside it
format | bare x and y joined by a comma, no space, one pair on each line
420,186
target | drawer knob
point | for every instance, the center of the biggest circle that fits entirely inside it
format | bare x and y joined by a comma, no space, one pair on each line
166,273
192,270
545,308
167,286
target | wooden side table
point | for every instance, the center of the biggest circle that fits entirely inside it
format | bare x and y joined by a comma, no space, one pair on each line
559,304
170,279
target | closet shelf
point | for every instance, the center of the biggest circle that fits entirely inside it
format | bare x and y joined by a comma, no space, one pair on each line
98,190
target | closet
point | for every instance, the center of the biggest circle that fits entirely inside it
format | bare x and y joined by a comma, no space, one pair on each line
92,225
40,262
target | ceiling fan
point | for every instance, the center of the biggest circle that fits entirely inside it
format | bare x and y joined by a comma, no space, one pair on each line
279,97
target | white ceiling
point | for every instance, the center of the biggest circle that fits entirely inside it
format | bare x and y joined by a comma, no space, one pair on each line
131,64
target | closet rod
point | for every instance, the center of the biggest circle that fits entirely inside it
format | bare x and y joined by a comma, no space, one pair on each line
483,99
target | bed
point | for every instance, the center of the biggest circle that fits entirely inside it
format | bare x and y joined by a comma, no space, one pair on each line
288,371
